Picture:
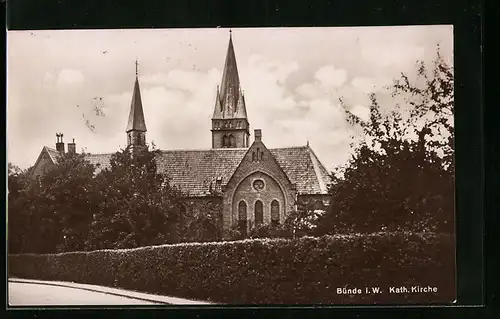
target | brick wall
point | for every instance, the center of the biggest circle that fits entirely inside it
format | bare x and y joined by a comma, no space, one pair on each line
249,168
271,191
240,138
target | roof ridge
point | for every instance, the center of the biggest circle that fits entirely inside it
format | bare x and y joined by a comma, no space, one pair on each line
206,149
287,147
201,149
100,153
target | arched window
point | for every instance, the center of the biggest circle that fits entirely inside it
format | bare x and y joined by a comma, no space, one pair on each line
224,141
232,141
259,213
242,217
275,212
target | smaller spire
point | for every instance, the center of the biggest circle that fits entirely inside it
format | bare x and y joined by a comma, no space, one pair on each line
136,116
136,67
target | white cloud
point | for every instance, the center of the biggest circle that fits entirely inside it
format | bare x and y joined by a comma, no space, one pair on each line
263,82
70,76
308,90
364,84
370,85
330,77
326,112
361,111
394,55
191,81
48,78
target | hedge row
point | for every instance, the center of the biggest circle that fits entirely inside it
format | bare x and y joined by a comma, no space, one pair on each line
265,271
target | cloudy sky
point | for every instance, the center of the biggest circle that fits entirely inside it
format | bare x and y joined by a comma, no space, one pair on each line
292,79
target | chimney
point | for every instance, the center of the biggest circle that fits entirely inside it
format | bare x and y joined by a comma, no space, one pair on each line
258,135
72,147
60,143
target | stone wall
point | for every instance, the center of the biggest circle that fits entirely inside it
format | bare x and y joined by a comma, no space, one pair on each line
240,138
257,162
250,194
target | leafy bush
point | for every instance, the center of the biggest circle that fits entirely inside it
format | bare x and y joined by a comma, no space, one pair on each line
269,231
265,271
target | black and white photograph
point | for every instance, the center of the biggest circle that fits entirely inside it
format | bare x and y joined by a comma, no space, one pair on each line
231,166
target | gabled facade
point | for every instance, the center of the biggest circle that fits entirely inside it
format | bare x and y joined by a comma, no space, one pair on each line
253,184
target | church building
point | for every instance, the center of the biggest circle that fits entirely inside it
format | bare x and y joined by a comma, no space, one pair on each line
252,183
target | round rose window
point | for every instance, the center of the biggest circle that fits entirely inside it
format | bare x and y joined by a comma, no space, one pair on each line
258,184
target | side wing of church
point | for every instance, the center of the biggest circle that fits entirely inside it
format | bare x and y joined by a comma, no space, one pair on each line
253,184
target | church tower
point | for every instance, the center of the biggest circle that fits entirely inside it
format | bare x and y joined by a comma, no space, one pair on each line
136,127
230,127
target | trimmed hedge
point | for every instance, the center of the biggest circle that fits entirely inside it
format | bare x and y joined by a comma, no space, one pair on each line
265,271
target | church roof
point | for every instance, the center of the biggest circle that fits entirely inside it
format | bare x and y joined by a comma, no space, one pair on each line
195,172
303,168
101,161
136,117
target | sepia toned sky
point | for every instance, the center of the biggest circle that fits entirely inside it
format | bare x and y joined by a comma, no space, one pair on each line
292,79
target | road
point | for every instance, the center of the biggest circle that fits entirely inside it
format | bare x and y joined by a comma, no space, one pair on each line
28,294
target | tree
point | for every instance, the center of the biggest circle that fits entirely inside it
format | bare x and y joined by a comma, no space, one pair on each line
400,176
137,201
302,221
71,188
69,196
52,213
202,221
17,181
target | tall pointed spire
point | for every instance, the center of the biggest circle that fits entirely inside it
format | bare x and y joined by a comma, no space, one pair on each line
136,120
230,127
230,91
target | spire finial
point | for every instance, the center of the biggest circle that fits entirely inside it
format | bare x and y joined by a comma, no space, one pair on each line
136,67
